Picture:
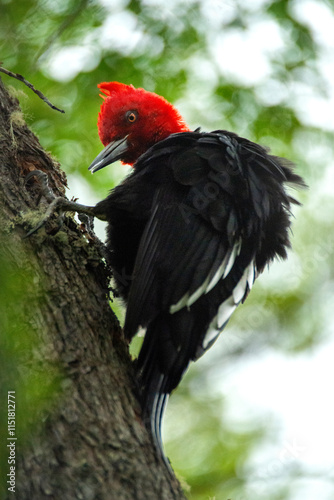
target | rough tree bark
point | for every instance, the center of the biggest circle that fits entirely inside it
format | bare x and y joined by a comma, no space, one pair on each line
91,442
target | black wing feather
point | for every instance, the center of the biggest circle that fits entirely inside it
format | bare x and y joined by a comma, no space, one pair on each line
204,200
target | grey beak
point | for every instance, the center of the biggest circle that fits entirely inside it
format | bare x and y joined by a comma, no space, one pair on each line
111,153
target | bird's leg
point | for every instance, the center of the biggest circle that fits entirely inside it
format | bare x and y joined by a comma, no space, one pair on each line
58,204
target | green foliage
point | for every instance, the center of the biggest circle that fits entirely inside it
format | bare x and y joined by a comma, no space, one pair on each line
251,67
33,383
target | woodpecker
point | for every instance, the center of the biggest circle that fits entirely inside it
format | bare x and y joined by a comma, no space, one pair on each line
194,224
189,230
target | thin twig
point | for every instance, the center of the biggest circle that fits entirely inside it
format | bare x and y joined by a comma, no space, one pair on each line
30,85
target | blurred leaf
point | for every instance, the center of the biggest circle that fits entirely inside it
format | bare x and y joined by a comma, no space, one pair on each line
33,381
178,49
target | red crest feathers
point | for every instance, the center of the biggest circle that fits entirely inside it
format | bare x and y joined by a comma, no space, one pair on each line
114,87
155,119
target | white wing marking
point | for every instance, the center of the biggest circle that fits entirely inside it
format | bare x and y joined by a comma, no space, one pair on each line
241,287
227,308
200,291
225,311
218,274
234,254
223,270
180,304
212,333
251,274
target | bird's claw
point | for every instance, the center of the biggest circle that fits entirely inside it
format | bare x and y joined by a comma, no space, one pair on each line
43,180
58,204
47,193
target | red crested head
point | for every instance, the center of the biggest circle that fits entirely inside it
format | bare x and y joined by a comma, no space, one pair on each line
133,120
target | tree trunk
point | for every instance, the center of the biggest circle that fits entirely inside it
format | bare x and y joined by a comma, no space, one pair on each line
88,441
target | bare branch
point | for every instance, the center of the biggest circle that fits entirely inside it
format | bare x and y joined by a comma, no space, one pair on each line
30,85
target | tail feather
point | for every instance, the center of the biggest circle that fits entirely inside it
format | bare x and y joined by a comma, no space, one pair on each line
160,366
153,385
155,423
153,402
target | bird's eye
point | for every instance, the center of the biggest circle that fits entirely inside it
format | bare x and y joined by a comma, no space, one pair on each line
131,116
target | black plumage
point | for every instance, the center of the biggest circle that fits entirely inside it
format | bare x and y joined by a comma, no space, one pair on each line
189,230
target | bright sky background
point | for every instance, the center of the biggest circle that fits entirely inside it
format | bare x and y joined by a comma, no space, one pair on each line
296,391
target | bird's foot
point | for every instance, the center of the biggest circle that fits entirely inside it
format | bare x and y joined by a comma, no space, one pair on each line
58,205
